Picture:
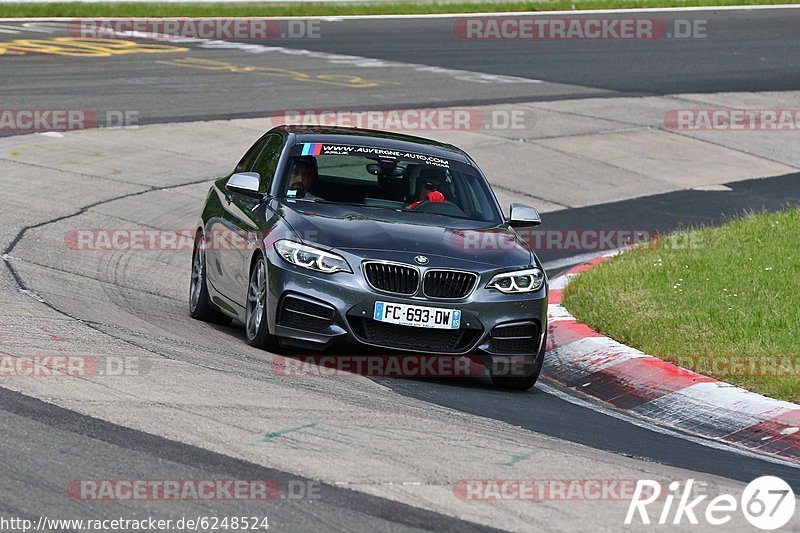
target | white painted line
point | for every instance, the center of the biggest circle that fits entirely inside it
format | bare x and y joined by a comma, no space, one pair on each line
717,412
336,59
658,429
572,260
560,282
14,31
594,354
42,28
744,402
573,12
716,187
558,312
51,25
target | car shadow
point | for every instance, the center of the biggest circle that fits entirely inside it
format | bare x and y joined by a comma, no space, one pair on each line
452,372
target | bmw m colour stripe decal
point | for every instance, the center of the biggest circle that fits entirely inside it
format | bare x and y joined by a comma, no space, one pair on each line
312,149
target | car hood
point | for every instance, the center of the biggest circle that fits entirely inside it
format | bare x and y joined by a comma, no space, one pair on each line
378,233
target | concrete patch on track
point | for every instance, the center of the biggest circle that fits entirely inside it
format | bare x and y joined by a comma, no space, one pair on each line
574,153
201,384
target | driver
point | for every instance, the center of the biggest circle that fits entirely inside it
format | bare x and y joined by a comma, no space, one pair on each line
303,178
430,189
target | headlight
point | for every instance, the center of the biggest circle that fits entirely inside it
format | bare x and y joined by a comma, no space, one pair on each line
529,280
311,258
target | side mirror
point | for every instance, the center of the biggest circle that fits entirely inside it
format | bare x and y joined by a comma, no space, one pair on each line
523,215
245,183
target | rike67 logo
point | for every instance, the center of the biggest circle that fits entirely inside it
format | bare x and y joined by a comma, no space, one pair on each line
767,503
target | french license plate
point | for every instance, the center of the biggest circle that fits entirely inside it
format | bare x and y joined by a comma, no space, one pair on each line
416,315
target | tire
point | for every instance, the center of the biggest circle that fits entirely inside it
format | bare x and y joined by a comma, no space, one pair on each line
526,381
200,306
255,323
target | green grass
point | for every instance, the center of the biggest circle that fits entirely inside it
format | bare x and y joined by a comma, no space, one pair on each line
723,301
233,9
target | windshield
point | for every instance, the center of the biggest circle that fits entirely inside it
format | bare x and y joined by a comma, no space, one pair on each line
387,179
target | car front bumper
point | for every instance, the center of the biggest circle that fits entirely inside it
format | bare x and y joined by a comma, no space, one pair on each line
314,311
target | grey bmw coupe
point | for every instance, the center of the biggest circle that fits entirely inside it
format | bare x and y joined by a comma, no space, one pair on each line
323,236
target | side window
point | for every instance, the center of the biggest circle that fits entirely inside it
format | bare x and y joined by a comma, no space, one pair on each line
250,157
267,160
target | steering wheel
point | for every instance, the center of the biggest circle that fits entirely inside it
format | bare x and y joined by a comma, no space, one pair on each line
431,197
440,208
300,190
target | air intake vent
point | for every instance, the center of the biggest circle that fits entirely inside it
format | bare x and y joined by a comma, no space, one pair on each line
392,277
305,315
398,337
516,338
449,284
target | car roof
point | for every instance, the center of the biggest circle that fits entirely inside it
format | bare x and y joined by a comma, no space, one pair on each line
378,139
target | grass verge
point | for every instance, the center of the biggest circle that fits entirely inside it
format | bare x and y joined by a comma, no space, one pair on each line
722,301
233,9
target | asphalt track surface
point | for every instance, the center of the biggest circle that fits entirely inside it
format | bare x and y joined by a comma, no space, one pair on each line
744,51
32,428
741,51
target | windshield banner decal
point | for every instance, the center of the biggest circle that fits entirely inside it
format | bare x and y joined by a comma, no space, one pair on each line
370,151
